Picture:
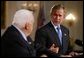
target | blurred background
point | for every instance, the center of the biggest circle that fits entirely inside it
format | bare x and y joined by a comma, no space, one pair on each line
73,18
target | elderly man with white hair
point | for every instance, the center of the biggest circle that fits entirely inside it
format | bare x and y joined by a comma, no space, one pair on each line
15,41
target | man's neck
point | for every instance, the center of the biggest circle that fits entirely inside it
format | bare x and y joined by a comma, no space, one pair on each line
55,24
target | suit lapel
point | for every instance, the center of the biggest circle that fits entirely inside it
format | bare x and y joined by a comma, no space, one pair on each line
20,41
64,39
20,38
54,35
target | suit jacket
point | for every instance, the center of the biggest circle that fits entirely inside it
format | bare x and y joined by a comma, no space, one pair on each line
47,35
14,45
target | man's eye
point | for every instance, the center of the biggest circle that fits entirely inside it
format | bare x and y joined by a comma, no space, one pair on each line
60,15
54,16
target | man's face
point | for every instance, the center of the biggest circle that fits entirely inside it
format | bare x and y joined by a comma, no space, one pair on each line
57,16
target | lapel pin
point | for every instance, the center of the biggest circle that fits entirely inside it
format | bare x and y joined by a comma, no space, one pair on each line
29,42
64,34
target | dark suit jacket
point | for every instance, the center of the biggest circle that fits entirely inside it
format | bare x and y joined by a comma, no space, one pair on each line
14,45
47,35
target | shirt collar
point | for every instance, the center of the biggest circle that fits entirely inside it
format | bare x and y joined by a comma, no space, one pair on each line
55,26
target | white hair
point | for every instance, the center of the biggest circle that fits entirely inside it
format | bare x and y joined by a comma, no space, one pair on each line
22,17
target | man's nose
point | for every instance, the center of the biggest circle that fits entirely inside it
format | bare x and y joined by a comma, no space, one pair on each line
57,17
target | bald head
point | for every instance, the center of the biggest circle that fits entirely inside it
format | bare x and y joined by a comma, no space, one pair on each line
22,17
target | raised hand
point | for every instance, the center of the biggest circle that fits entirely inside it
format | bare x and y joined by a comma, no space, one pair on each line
53,48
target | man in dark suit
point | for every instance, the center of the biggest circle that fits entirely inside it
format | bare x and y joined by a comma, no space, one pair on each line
16,42
53,38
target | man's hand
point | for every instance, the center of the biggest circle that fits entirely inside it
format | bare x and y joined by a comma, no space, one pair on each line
53,48
44,55
73,53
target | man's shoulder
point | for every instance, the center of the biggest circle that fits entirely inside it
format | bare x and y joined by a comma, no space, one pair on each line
8,30
11,32
45,27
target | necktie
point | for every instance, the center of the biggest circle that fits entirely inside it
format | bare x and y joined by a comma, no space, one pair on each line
59,34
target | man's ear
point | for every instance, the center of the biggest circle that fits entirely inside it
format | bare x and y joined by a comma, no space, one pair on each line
26,26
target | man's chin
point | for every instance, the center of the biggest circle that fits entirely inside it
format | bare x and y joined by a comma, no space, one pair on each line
57,23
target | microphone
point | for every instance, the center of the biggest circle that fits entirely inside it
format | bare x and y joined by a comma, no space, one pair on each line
79,42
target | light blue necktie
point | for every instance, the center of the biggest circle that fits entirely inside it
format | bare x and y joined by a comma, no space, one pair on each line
59,32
